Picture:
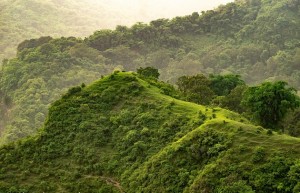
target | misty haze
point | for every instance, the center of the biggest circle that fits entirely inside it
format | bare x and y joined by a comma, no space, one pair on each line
141,96
26,19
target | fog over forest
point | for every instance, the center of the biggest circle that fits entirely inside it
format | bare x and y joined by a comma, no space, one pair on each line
20,20
115,96
145,11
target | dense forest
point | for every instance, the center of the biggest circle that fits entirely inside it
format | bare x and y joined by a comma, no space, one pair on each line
257,39
201,103
21,20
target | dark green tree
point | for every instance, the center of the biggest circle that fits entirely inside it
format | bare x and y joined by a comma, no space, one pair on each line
232,101
270,102
33,43
149,72
196,88
291,123
222,85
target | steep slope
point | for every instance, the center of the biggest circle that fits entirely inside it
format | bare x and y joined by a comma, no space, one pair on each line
123,134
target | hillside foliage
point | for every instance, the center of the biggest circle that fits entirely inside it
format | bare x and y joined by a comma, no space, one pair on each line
122,134
204,112
20,20
257,39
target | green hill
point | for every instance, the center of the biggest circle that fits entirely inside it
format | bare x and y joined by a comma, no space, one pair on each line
123,134
258,39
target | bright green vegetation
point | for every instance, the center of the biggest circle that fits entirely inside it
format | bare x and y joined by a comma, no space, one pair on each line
267,104
257,39
124,134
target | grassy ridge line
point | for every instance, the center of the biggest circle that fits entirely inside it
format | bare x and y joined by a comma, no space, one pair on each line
175,146
220,41
173,166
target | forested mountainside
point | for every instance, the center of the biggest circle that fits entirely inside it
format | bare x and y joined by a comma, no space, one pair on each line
257,39
28,19
20,19
124,134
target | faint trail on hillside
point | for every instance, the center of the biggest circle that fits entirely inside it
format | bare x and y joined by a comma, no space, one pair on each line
109,181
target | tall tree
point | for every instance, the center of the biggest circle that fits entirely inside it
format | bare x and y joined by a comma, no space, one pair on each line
270,102
196,88
149,72
232,101
222,85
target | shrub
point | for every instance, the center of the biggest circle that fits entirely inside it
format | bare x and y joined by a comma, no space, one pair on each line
269,132
259,154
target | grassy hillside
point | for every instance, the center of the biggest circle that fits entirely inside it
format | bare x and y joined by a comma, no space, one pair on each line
258,39
123,134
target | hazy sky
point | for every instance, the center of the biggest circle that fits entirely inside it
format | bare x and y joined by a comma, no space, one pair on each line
147,10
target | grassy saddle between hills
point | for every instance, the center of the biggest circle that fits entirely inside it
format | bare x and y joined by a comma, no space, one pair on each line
125,133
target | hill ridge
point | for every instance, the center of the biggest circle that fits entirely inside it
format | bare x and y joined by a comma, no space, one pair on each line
150,143
255,39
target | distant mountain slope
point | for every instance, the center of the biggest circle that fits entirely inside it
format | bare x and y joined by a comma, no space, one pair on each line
257,39
20,20
122,134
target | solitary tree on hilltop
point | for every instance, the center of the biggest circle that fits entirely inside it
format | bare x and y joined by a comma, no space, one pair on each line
149,72
196,88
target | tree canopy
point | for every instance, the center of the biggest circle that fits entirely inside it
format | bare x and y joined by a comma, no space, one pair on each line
257,39
222,85
149,72
270,102
196,88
